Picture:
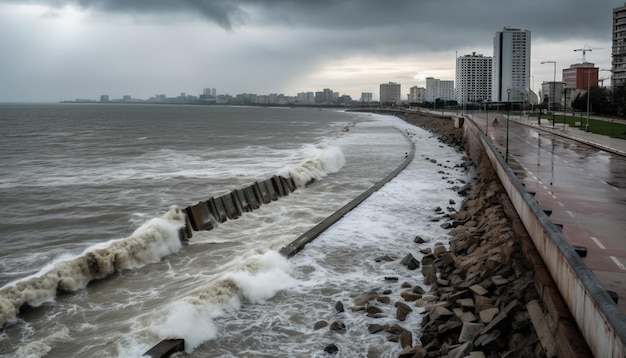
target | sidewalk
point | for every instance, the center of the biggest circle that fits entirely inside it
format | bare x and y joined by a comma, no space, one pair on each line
606,143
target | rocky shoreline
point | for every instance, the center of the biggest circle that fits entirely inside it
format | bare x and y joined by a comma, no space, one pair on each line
482,293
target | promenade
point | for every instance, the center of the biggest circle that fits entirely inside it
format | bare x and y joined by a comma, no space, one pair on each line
579,178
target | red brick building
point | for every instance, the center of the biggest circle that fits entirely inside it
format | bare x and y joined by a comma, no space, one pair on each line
581,76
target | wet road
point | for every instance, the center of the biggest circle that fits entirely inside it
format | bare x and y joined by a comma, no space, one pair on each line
584,187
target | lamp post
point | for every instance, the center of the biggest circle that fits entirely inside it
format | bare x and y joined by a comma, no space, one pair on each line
487,120
588,95
564,106
553,87
508,110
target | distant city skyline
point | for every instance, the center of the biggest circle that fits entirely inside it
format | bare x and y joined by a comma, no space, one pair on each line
63,49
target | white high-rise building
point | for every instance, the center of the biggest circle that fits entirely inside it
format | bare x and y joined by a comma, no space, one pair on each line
439,89
473,79
511,65
618,78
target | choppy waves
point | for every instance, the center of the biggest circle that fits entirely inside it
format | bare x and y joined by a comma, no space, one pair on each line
151,242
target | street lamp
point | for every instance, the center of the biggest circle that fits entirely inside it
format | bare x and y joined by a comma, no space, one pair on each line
564,105
588,95
508,110
487,119
553,87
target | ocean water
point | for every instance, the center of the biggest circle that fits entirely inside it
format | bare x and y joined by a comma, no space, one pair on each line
91,264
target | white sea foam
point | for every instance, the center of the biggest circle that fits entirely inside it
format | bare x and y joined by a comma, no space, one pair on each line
192,318
40,348
321,160
149,243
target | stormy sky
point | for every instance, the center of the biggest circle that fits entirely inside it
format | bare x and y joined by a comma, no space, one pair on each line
53,50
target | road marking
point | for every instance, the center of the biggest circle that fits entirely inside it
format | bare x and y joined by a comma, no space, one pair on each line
613,187
595,239
545,187
570,214
618,263
560,203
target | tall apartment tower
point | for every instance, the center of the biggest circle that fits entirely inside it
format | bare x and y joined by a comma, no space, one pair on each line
618,77
390,93
511,65
473,78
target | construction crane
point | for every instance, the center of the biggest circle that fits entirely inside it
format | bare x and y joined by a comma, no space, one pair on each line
584,50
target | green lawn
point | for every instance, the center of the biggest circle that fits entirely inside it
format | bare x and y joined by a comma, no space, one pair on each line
605,127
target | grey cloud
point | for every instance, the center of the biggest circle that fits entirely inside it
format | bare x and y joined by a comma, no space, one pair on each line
432,24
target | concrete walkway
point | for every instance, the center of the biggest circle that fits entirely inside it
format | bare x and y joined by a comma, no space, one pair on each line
609,144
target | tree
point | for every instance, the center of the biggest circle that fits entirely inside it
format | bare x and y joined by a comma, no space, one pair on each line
599,100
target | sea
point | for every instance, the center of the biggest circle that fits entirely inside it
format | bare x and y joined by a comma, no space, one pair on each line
93,198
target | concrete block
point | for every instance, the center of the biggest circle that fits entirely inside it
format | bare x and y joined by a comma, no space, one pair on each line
201,218
166,348
229,206
243,200
216,206
261,191
251,197
544,333
269,186
278,185
479,290
470,331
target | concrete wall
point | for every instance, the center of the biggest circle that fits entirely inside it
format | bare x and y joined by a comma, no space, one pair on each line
597,316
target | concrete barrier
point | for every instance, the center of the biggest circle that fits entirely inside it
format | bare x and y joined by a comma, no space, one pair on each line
263,192
166,348
278,185
220,209
252,197
599,319
242,200
271,190
230,207
288,183
200,216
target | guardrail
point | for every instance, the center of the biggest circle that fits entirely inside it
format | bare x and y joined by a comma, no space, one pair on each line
600,320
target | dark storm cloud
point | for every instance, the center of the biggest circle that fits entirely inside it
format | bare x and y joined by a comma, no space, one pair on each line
269,45
418,18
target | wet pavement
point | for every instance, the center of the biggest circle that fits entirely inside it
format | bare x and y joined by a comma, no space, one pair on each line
581,178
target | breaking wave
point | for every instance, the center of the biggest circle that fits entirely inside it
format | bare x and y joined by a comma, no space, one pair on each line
152,241
192,318
322,159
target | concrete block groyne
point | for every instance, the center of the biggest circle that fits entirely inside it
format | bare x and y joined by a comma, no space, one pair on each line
206,215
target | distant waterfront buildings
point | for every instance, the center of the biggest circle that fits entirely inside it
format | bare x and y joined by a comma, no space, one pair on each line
305,98
367,97
326,96
390,93
473,78
511,65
